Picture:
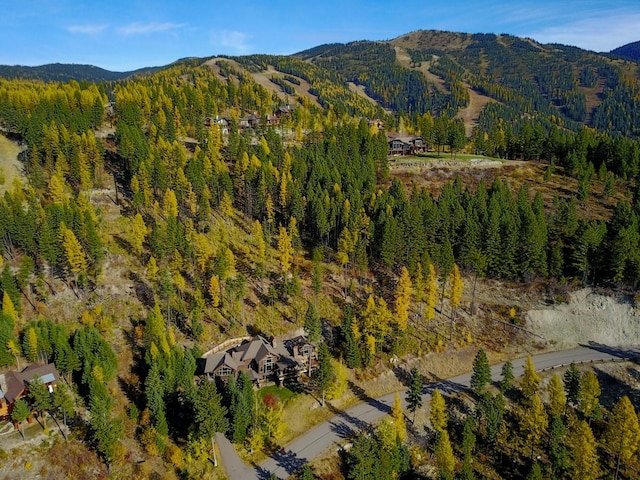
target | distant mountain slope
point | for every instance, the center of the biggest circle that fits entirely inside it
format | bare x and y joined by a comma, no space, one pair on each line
63,72
630,51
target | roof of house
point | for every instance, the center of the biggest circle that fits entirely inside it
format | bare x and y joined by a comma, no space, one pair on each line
255,349
404,138
12,384
215,361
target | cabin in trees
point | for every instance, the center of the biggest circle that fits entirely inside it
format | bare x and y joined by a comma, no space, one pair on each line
15,385
406,145
263,361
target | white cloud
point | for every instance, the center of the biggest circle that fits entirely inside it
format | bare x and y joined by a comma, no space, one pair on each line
87,29
600,34
237,42
145,28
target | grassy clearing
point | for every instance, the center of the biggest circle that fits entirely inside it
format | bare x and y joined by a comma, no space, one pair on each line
10,166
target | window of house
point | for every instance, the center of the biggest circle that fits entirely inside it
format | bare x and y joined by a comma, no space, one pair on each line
224,371
267,365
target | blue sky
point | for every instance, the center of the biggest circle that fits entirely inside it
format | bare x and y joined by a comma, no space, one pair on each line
128,34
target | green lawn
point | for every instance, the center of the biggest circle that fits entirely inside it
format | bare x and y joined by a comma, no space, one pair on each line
283,393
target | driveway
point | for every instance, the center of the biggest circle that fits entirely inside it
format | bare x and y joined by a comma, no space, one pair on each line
333,432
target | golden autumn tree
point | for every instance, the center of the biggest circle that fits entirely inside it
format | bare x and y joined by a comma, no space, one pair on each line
622,436
557,396
534,421
73,250
285,250
397,415
438,414
138,233
431,293
214,291
403,299
530,381
170,203
445,460
585,463
56,189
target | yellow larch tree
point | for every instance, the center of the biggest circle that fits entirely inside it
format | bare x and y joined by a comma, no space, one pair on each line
431,293
8,308
73,250
622,436
170,204
214,291
285,250
403,299
557,396
138,233
438,414
56,189
530,380
397,414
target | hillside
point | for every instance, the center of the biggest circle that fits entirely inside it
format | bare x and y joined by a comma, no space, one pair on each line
61,72
157,217
630,51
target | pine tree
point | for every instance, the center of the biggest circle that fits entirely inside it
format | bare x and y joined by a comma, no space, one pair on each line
622,436
557,397
468,445
20,413
324,373
312,325
558,453
481,375
438,414
530,381
572,384
403,299
507,376
414,393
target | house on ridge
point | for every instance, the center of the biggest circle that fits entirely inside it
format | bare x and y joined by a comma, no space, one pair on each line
405,144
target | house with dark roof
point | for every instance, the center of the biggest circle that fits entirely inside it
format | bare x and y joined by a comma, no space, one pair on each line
261,360
15,385
406,145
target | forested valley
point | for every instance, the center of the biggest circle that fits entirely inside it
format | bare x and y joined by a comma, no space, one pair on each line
162,214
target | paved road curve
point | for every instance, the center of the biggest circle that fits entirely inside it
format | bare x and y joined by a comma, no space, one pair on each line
332,433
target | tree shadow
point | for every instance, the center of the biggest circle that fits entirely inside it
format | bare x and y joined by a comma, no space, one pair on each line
613,388
286,460
345,424
364,397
